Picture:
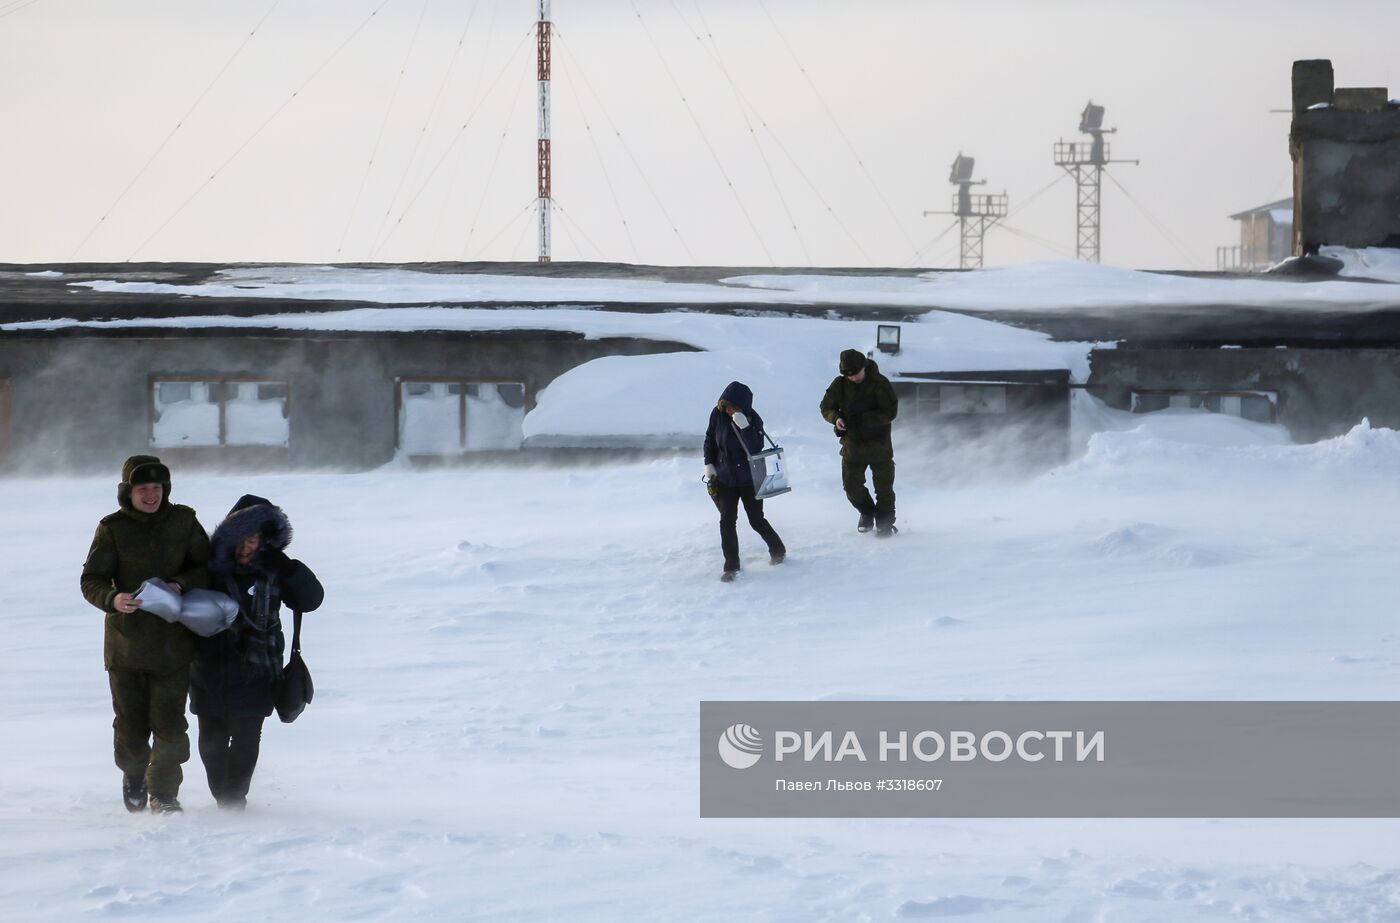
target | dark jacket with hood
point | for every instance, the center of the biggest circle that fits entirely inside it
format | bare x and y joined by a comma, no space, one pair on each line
235,670
867,408
723,447
128,548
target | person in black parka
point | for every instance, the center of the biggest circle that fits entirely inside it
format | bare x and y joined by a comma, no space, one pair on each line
727,471
235,671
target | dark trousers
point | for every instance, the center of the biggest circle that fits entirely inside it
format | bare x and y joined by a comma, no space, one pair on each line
728,499
149,733
229,749
853,465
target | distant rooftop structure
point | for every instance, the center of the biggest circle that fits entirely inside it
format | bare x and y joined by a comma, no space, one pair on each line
1266,238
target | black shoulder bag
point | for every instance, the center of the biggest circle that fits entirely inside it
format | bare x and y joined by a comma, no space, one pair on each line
294,689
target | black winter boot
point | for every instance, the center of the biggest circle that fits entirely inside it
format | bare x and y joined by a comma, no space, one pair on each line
867,522
134,794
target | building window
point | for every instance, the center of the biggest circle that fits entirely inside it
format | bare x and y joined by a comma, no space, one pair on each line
218,412
1258,406
971,399
455,417
925,402
928,400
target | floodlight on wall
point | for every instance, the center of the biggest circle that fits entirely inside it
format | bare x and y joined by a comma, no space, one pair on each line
961,171
887,338
1091,120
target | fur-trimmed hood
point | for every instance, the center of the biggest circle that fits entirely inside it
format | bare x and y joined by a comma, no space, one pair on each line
251,515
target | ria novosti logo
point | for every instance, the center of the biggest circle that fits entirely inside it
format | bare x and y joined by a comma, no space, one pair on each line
740,746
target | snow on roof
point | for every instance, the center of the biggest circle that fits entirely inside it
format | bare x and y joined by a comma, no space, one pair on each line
1378,263
1281,204
1063,285
788,362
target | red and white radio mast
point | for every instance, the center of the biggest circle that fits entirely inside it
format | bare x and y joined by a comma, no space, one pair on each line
542,154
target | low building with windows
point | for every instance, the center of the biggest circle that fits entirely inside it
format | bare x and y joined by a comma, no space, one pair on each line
267,397
303,367
298,366
1316,391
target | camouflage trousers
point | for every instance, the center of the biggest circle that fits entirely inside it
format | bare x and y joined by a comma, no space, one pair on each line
150,733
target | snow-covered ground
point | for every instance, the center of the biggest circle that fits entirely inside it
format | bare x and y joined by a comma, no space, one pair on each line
510,662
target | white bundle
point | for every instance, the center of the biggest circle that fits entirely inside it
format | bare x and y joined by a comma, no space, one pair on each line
204,612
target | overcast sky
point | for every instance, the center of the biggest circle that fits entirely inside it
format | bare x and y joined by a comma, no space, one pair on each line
751,132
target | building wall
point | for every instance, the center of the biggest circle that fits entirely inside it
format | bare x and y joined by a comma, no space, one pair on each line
4,423
1346,163
1321,392
1263,241
82,403
1280,246
1011,421
1254,239
1350,192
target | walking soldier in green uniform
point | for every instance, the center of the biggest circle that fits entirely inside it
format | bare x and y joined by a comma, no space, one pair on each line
861,404
147,658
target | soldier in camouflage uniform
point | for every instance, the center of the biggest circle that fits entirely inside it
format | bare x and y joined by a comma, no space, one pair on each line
861,404
147,658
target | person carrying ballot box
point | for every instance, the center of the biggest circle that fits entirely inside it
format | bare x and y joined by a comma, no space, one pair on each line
735,432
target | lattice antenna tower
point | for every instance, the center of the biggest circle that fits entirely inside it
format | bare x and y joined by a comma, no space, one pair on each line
1085,161
976,212
544,194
